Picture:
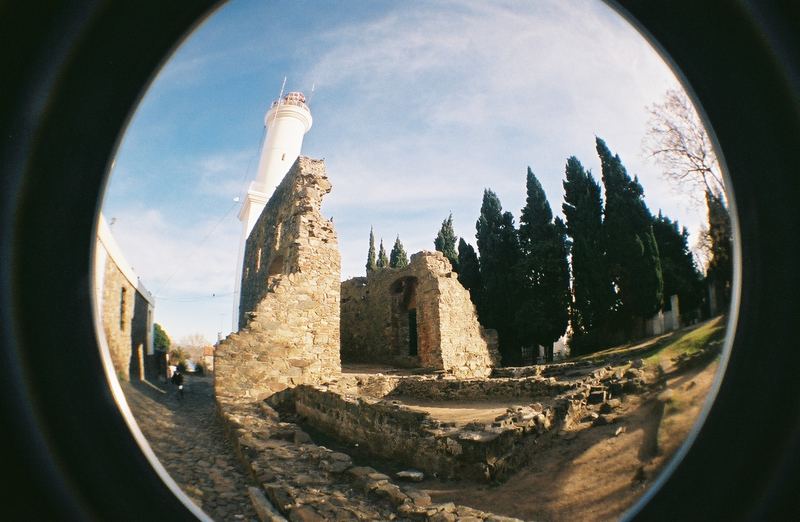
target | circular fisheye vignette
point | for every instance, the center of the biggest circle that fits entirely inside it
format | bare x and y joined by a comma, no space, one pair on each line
104,251
664,474
736,283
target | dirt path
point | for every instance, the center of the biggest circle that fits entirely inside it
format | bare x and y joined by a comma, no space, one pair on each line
594,473
188,439
460,412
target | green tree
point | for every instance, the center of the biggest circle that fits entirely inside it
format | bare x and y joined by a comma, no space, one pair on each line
591,282
719,272
469,274
679,270
398,257
382,261
178,356
631,248
445,241
371,266
498,246
161,340
543,311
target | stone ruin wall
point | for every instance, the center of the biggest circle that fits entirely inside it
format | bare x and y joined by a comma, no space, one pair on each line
290,295
374,323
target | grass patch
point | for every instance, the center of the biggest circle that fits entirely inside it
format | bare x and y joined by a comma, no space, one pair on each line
689,344
685,343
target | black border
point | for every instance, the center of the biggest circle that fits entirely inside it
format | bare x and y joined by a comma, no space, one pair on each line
70,74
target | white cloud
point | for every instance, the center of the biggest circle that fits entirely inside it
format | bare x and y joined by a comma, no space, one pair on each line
183,266
440,101
226,174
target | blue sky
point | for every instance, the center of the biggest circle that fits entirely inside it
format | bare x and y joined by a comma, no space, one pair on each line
418,106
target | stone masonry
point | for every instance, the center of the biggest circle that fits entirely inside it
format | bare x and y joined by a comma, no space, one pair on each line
419,315
126,308
290,295
125,323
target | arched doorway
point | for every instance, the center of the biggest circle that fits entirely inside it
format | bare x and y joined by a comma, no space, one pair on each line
405,335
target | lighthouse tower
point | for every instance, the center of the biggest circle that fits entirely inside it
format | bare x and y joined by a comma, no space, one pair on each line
286,122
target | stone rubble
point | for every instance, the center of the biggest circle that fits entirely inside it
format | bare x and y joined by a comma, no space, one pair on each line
306,482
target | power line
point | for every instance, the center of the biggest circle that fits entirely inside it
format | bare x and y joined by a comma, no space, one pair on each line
202,241
192,299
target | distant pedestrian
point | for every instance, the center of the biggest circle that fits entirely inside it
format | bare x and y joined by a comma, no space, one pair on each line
177,380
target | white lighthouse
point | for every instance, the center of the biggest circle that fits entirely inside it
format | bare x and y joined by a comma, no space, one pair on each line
286,122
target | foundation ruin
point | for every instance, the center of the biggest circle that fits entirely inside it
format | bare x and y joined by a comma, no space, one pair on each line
304,428
285,363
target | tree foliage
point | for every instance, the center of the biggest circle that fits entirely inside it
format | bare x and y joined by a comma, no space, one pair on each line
632,253
161,340
679,270
445,241
544,295
498,246
469,274
178,356
719,271
398,257
382,261
677,140
371,263
591,282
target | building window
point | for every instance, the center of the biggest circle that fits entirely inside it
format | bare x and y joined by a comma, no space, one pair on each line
122,309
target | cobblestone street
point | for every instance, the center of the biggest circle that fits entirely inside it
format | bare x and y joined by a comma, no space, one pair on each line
188,439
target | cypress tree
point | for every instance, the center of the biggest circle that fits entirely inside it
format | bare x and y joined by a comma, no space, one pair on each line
445,241
398,257
371,266
382,261
631,248
498,246
720,267
469,270
679,270
543,311
591,282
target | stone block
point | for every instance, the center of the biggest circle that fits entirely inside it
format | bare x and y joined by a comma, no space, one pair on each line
265,511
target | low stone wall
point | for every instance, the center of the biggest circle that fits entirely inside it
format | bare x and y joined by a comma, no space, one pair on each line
300,480
392,431
436,388
380,314
290,295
